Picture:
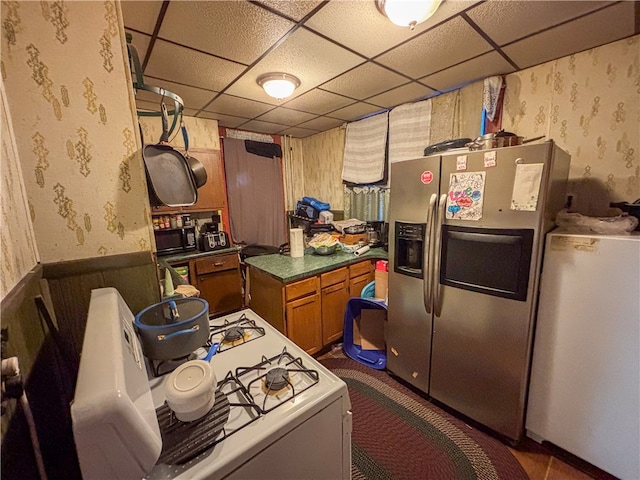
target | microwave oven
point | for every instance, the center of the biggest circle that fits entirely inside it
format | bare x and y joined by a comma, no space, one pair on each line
175,240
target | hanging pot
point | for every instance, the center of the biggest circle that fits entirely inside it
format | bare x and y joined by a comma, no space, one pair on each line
169,176
198,170
173,328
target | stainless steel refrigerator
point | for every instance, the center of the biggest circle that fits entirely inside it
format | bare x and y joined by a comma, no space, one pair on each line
465,245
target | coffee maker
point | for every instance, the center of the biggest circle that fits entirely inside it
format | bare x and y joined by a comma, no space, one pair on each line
377,234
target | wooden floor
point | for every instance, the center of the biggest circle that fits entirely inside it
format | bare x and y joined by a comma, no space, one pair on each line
539,462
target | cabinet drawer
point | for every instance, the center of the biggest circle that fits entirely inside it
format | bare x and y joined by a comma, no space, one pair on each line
360,268
333,277
301,288
217,263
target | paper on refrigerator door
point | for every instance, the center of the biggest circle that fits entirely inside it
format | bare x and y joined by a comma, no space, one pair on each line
526,187
466,196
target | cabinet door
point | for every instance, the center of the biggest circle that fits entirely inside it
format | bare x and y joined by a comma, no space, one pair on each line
223,291
334,303
220,282
304,323
358,283
213,194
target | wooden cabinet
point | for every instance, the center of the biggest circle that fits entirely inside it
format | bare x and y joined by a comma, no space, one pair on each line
360,274
310,311
219,280
213,194
335,293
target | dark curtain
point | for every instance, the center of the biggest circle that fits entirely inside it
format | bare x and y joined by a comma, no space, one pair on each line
255,192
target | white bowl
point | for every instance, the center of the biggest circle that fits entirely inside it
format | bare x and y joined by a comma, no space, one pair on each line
190,390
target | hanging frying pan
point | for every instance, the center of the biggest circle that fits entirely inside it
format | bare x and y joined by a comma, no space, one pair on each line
171,181
198,170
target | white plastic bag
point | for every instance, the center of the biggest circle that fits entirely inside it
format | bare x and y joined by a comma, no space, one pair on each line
616,224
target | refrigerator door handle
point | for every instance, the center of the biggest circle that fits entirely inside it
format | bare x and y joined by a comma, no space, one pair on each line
427,257
437,301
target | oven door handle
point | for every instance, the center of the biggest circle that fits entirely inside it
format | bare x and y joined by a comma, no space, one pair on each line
427,256
437,300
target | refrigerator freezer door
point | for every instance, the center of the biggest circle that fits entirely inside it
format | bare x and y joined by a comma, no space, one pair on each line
585,378
481,343
413,184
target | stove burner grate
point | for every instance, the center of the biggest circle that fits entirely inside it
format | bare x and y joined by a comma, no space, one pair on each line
283,361
234,333
182,441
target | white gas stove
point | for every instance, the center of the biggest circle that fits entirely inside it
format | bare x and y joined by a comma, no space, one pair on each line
278,413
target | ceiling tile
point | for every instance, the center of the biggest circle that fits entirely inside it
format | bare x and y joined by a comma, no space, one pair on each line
596,29
263,127
355,111
322,123
319,102
230,121
189,112
364,81
410,92
505,22
238,31
238,106
179,64
360,26
309,57
141,16
486,65
298,132
296,10
286,116
445,45
192,97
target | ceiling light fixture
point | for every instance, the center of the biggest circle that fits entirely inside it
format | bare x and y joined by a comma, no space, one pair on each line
278,85
408,13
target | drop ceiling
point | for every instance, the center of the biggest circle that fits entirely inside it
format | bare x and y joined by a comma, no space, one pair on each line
351,61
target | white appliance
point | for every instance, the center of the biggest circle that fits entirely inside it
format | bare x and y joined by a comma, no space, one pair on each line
466,237
298,427
585,382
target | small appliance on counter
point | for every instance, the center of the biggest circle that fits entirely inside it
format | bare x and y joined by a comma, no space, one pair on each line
210,241
175,240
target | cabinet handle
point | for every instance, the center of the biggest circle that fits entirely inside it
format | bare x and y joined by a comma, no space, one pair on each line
218,264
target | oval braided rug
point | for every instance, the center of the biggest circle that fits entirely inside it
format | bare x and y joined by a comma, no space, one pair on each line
399,435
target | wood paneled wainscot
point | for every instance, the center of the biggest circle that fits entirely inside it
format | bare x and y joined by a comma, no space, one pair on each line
310,311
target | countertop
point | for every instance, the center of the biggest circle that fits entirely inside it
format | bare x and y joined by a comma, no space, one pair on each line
287,269
180,257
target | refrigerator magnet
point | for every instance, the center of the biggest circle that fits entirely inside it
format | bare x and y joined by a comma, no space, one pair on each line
461,162
490,159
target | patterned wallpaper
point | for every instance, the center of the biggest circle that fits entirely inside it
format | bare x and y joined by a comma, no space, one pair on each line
589,104
202,132
69,88
322,166
19,250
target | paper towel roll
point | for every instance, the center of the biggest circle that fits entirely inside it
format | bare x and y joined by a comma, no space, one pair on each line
296,242
361,251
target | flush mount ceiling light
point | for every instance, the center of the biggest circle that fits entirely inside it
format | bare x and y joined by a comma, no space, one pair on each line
278,85
407,13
